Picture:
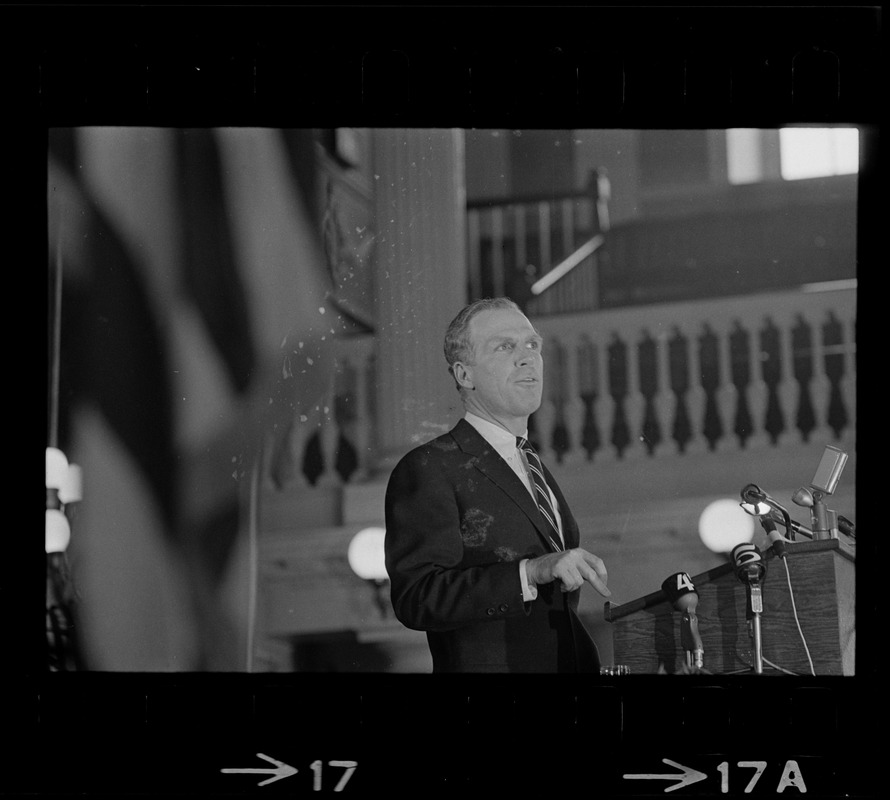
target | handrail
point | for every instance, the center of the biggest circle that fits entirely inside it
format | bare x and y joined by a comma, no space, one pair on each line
568,264
529,198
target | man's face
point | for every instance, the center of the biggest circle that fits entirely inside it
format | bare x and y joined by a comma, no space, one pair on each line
508,369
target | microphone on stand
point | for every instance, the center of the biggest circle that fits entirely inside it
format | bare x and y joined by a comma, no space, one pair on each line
680,591
826,522
836,522
748,563
750,569
752,494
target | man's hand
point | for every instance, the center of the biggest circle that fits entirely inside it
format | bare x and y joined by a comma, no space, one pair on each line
571,568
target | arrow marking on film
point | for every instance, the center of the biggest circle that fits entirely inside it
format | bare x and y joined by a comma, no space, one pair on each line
281,770
687,777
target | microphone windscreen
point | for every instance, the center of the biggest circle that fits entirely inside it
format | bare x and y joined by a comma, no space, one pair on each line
748,561
676,586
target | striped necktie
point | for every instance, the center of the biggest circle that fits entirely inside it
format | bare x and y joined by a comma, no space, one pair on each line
542,493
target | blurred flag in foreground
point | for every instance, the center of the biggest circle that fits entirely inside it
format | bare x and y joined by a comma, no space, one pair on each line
195,328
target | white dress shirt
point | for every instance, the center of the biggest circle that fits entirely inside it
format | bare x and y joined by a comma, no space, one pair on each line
504,444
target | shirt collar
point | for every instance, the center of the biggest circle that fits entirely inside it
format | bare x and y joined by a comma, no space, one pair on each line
499,438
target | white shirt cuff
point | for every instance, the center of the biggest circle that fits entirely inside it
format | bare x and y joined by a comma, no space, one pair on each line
528,592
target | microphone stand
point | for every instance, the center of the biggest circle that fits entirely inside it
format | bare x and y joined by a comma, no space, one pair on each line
755,608
826,522
689,635
792,526
751,569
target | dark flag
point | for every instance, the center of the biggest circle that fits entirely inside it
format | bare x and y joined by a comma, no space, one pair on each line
195,329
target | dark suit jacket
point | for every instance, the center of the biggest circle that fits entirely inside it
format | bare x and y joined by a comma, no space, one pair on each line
458,521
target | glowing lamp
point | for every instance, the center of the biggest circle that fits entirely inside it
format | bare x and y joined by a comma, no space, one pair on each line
71,490
58,531
56,468
366,556
723,525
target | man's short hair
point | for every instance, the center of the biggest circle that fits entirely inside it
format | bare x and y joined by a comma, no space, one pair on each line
458,346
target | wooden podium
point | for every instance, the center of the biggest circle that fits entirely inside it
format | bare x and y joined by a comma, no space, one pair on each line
646,632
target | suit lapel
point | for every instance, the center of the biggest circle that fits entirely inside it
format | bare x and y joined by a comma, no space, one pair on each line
488,462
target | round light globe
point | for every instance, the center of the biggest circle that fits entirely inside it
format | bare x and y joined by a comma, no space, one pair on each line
58,531
366,556
724,524
71,490
56,468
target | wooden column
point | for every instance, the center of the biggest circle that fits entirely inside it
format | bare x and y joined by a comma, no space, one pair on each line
420,281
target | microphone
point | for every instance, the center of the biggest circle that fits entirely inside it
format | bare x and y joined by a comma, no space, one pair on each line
750,568
752,494
795,528
776,539
836,522
680,592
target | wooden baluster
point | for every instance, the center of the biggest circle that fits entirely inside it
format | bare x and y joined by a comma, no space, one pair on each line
696,399
802,370
758,394
647,359
740,375
574,410
709,376
635,404
788,389
618,390
558,388
771,370
835,370
344,414
819,386
678,358
726,391
664,398
313,456
609,404
589,391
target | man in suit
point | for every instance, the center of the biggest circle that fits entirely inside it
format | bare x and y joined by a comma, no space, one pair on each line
481,548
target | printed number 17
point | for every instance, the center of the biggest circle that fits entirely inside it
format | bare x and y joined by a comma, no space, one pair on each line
349,766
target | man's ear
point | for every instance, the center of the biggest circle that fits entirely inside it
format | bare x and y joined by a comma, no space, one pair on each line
462,375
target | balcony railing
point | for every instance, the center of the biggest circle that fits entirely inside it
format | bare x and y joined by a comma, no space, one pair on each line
514,244
727,241
661,380
334,442
726,373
